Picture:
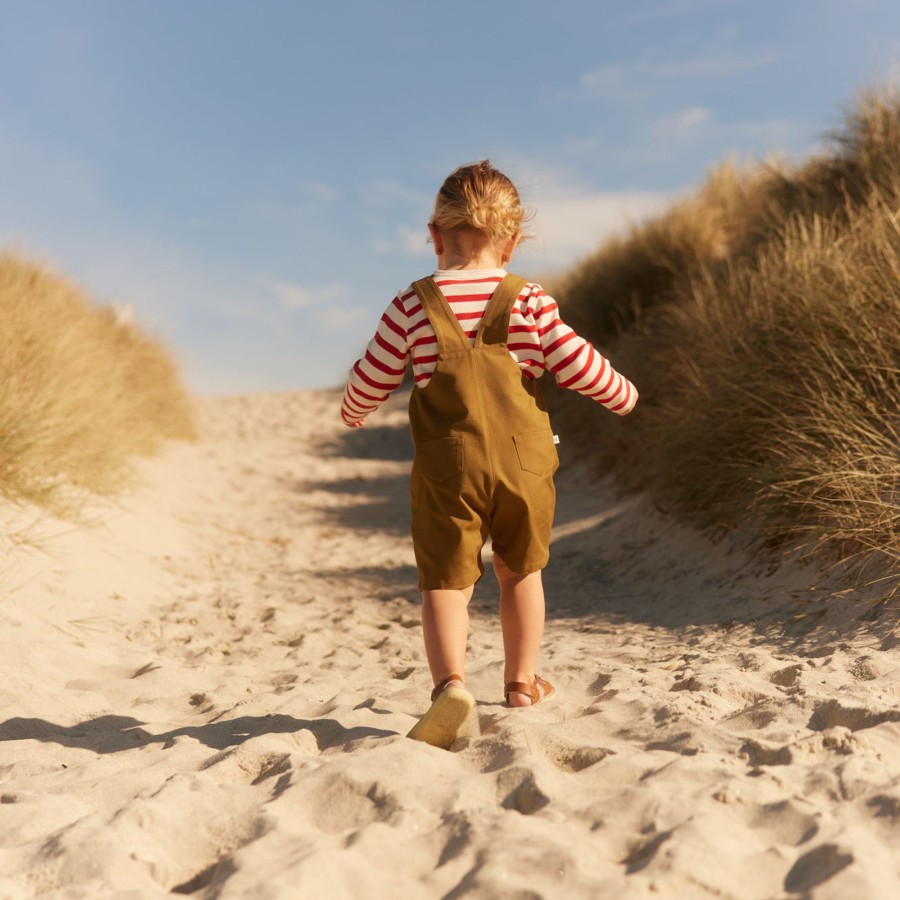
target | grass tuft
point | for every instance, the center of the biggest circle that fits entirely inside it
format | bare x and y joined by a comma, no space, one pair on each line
80,392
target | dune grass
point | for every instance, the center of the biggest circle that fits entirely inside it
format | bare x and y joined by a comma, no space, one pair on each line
80,393
629,276
760,320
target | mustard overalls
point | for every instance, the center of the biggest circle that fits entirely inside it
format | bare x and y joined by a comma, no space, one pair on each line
485,453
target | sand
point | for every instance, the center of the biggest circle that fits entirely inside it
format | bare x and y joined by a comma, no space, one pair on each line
205,691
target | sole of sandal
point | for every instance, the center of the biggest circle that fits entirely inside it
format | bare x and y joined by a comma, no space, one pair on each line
441,724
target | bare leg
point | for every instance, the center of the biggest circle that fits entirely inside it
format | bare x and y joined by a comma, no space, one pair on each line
445,622
522,621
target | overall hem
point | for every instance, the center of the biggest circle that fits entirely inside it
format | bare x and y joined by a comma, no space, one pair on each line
448,584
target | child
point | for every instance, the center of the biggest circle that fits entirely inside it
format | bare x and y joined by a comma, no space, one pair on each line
484,450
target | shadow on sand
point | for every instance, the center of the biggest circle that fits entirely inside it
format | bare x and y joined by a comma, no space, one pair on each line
113,734
584,580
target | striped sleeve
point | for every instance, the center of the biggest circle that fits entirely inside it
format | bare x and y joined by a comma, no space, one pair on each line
379,372
576,364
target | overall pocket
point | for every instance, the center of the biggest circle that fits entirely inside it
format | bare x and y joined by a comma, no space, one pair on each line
441,459
536,451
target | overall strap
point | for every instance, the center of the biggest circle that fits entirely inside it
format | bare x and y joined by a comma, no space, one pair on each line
495,324
449,333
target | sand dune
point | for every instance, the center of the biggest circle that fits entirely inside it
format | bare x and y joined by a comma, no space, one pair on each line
206,692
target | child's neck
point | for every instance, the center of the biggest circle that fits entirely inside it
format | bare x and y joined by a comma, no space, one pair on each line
470,249
487,259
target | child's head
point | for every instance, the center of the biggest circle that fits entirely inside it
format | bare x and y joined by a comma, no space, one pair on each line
477,197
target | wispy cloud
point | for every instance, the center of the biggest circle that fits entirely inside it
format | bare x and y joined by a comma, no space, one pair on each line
325,193
328,306
570,225
682,125
391,194
339,318
573,219
384,202
414,240
715,65
672,9
291,296
699,125
623,81
404,240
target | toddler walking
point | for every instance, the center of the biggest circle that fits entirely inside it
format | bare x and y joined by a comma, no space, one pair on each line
485,454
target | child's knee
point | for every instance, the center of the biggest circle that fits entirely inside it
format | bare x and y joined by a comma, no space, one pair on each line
503,571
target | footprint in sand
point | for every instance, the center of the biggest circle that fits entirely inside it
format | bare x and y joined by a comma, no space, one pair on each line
834,712
568,757
518,790
283,682
789,676
785,822
816,867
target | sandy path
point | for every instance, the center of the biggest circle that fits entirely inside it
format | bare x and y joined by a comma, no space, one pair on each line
207,694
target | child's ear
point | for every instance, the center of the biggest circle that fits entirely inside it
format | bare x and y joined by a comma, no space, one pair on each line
509,248
436,238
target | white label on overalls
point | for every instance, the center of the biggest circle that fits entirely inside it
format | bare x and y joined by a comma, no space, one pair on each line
555,438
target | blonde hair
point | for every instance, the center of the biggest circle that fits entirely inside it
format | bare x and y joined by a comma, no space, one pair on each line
478,196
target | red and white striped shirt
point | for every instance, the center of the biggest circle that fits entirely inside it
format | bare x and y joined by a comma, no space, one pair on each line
538,340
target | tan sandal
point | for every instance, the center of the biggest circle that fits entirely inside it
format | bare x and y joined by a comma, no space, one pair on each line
450,708
538,691
438,688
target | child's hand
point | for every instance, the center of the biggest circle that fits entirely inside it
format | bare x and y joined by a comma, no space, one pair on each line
358,424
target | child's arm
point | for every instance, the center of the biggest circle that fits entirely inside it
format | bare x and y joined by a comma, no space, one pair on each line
575,363
379,372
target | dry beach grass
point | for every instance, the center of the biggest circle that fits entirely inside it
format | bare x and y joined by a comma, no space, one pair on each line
80,393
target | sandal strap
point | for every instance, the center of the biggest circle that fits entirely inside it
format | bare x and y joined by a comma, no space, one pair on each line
537,690
519,687
546,689
442,684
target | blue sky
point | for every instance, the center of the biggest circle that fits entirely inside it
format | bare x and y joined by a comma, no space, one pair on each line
255,177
